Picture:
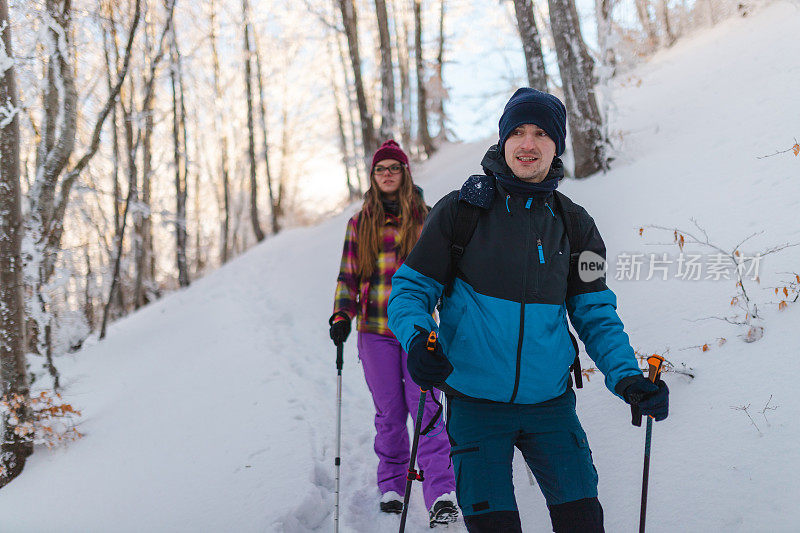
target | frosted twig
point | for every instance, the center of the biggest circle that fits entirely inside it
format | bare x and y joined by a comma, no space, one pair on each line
794,148
745,409
767,408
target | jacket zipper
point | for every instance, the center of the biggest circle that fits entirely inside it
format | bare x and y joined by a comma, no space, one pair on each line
522,301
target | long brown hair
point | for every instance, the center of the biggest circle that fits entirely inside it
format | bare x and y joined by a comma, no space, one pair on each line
373,217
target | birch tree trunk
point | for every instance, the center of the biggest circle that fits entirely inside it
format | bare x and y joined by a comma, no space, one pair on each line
422,94
251,147
14,448
387,73
350,22
531,44
576,67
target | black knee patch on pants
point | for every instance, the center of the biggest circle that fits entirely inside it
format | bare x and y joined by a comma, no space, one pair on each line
580,516
505,521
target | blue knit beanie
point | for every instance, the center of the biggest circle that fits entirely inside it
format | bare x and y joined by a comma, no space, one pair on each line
529,106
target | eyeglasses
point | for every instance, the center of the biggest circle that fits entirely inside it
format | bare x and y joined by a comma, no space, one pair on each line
393,169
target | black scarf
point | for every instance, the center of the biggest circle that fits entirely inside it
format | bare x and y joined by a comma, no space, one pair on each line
494,164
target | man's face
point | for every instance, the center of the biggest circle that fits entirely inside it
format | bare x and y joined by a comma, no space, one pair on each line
529,152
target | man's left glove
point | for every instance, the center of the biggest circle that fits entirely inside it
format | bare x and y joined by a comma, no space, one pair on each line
652,398
427,367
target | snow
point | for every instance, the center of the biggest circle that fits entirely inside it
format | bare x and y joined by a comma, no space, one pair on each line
214,408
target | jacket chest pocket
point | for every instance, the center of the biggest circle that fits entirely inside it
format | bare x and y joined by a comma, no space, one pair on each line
552,270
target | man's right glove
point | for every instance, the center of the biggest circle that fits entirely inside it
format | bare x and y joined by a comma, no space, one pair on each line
652,398
340,327
427,367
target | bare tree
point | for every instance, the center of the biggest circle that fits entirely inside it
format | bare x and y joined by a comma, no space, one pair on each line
531,44
608,57
403,63
251,147
180,156
358,156
648,25
668,36
352,192
15,447
422,93
275,208
576,68
387,73
441,92
350,22
133,148
222,131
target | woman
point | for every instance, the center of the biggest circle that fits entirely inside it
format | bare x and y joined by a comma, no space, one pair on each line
378,239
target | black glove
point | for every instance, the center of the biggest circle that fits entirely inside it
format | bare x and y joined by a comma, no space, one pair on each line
340,328
427,368
651,398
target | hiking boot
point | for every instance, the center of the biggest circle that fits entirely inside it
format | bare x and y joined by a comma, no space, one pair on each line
444,510
391,502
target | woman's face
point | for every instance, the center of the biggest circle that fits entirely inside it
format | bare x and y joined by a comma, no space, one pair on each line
389,176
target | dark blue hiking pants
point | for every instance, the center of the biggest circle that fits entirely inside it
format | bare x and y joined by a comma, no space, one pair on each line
483,436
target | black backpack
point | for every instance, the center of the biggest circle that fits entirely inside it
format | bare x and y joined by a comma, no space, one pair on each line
467,220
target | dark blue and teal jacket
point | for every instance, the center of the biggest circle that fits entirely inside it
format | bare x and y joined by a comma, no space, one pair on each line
504,327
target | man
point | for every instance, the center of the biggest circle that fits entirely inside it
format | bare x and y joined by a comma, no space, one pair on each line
504,350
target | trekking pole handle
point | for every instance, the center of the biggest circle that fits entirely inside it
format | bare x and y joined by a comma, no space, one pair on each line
430,345
654,363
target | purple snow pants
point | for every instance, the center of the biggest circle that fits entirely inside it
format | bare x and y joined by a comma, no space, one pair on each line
395,396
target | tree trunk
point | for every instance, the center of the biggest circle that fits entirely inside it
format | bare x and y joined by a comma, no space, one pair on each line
346,161
251,148
576,67
274,210
422,93
350,22
180,156
668,37
358,156
441,95
14,448
648,26
608,57
142,227
222,131
531,44
387,73
401,29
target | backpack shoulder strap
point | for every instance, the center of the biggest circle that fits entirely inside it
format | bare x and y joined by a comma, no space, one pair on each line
464,227
476,194
570,217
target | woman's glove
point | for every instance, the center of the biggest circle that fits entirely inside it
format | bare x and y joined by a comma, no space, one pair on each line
340,327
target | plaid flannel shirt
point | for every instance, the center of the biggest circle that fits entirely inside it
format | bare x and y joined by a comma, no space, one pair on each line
367,299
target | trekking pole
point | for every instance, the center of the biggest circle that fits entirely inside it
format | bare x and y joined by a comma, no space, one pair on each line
337,461
412,472
654,362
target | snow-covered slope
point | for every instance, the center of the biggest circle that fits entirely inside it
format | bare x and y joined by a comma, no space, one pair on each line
213,409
